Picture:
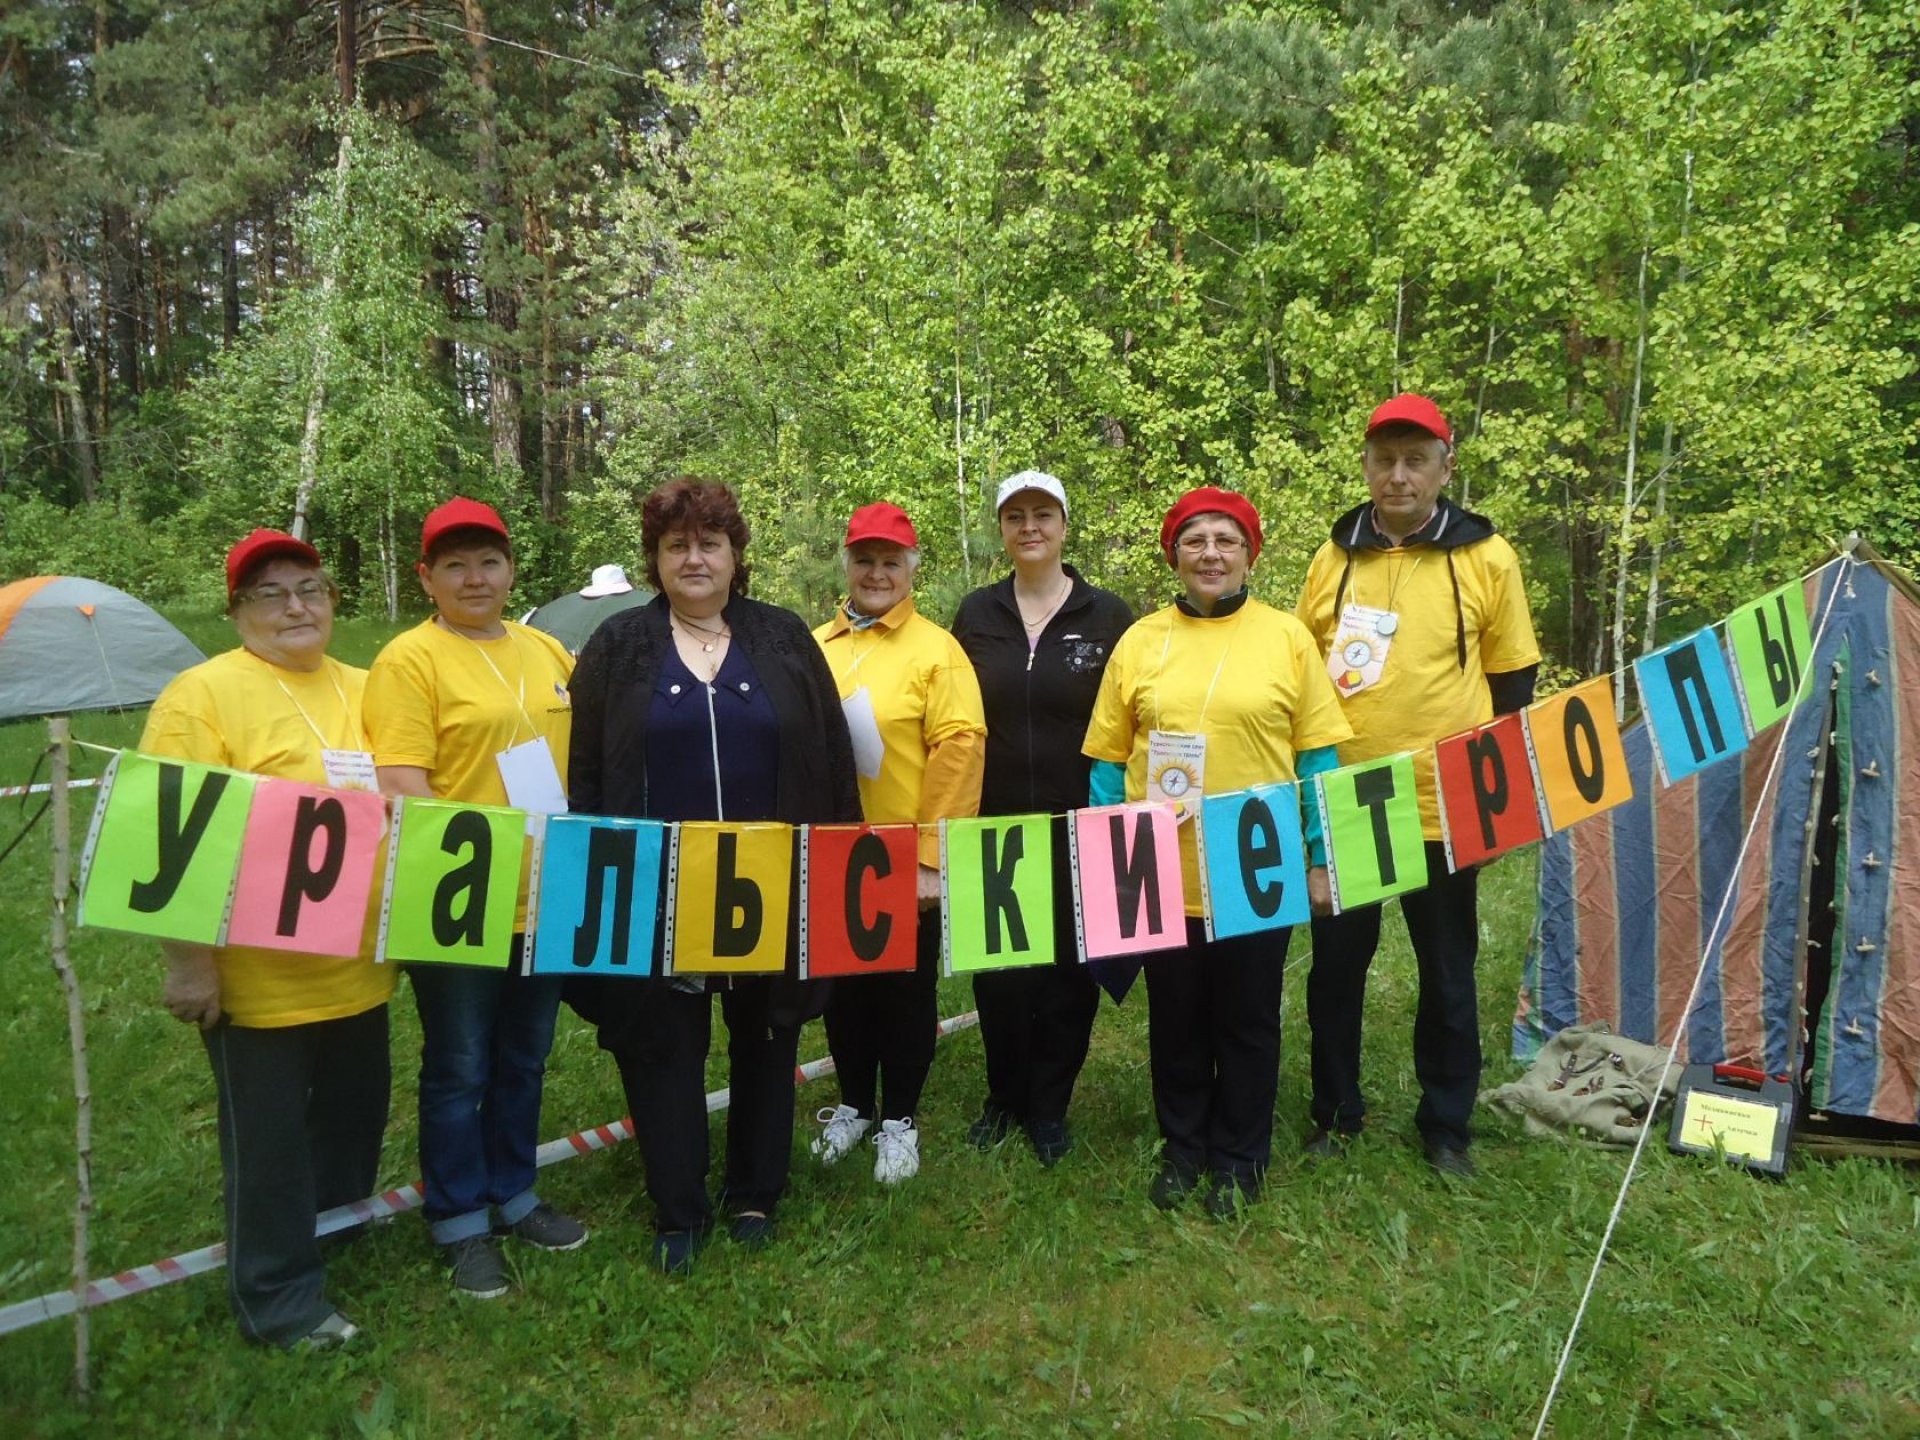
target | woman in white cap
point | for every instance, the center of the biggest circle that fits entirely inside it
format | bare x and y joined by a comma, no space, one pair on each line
1039,641
913,710
298,1043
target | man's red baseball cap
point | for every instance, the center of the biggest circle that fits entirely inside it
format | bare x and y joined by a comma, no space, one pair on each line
1411,409
881,521
460,513
264,545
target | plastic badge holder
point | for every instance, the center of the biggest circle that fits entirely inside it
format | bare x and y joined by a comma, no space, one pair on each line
1746,1113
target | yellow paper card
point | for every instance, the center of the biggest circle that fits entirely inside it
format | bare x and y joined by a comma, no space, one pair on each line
1745,1128
1579,765
732,891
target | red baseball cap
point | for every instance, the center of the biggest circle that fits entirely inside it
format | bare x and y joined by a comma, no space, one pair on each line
1411,409
460,513
881,521
264,545
1208,500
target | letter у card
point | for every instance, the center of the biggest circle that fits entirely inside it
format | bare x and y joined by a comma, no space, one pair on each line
859,899
308,868
997,906
453,883
163,849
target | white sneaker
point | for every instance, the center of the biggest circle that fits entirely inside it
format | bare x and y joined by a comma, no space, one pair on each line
844,1126
898,1147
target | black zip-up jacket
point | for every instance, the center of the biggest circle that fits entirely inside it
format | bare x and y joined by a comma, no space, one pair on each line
1038,702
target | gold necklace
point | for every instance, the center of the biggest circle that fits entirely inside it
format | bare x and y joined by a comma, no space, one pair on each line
716,636
1066,590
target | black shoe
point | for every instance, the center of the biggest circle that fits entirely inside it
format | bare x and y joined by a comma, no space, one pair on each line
478,1269
1450,1160
1172,1186
1230,1195
993,1126
1052,1141
674,1250
752,1232
1328,1144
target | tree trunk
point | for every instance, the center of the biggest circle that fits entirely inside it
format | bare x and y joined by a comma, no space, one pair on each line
1624,548
59,736
346,55
72,378
229,287
504,396
323,343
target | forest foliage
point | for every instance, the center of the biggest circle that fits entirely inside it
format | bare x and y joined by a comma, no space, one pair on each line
1659,259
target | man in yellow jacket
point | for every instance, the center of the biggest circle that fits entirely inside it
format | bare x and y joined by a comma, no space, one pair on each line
1419,607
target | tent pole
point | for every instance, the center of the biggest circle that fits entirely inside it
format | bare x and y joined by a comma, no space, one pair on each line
60,737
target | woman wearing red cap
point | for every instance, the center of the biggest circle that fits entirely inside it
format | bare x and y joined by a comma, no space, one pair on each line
470,706
298,1044
1039,640
1217,692
914,715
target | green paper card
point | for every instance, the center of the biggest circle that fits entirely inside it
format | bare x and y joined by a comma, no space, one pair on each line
1772,654
163,849
997,903
1371,816
453,883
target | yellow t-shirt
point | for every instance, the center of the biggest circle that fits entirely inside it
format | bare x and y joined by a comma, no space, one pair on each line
1423,693
232,711
448,704
927,707
1250,682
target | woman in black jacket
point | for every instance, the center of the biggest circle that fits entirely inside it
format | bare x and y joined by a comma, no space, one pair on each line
1039,640
705,705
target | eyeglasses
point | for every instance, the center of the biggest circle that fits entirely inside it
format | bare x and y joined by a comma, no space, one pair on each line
275,597
1225,544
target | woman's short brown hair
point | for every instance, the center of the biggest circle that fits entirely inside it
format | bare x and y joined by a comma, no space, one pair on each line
691,504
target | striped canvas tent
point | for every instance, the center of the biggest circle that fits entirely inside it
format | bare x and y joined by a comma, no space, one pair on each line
1630,899
68,645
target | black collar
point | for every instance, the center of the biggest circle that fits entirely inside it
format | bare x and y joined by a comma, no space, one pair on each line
1222,607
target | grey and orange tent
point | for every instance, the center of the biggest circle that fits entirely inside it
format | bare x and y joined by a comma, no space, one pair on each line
68,645
1815,967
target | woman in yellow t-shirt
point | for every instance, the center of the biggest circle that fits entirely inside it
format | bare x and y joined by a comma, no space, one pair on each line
446,702
1217,692
298,1043
919,734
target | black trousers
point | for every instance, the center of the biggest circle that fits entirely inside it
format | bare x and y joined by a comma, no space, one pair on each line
1443,922
302,1112
1213,1044
880,1030
1035,1026
660,1044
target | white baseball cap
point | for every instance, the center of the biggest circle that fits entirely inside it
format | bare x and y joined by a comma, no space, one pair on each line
1030,480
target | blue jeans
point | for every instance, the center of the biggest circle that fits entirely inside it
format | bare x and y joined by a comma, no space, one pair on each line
484,1037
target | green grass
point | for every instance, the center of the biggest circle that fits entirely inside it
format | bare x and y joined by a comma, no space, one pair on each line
987,1298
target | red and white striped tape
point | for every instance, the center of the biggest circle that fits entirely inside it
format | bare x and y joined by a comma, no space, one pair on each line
9,792
375,1207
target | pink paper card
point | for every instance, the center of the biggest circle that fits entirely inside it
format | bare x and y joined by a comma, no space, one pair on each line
307,868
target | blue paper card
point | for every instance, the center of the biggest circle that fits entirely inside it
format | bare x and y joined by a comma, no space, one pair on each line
1691,705
599,905
1255,860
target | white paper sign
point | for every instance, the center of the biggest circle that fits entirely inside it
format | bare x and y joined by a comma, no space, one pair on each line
1177,770
862,725
349,769
532,780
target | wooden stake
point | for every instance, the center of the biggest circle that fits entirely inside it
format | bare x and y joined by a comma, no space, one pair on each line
60,735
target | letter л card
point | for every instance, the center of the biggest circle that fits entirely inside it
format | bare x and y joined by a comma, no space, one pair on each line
1371,816
1579,764
1488,805
859,899
307,872
1687,692
1128,896
729,893
163,849
997,901
596,896
453,883
1772,654
1253,861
